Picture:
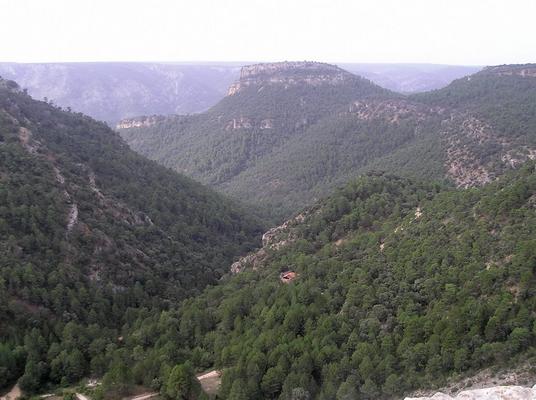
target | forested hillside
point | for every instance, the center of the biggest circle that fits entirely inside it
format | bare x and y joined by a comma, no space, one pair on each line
91,234
111,91
391,285
271,106
289,133
115,267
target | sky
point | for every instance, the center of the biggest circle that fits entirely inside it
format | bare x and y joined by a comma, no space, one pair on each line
468,32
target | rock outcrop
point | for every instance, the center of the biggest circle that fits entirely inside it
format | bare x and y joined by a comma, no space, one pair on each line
392,110
466,136
274,239
139,122
524,70
289,74
491,393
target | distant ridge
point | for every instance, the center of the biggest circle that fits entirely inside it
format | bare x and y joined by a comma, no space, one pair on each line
290,132
289,73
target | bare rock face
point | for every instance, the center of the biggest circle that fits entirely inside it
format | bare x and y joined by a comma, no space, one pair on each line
283,234
289,74
465,135
139,122
392,110
274,239
526,70
492,393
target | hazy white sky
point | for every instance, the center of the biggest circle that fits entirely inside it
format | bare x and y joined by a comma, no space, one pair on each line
435,31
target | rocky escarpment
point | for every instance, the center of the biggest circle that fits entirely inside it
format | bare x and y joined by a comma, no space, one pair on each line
392,110
249,123
289,74
467,138
139,122
274,239
524,70
491,393
515,383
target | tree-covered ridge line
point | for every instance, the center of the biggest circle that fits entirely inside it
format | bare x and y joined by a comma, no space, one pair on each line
286,146
243,130
91,233
399,285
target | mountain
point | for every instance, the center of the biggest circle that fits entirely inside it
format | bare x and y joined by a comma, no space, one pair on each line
114,267
92,235
289,133
411,78
496,109
386,286
271,109
113,91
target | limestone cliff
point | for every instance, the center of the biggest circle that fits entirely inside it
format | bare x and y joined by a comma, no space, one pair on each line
289,74
491,393
524,70
138,122
274,239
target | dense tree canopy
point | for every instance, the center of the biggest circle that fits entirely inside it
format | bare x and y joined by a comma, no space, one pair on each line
93,235
399,285
114,267
285,146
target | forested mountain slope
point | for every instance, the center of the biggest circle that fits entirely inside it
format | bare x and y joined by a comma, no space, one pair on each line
289,133
386,286
270,108
90,233
494,115
111,91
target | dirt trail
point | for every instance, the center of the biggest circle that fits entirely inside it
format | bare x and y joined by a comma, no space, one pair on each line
13,394
210,374
80,396
144,396
210,381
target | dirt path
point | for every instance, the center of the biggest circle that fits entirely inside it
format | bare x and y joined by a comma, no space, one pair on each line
210,381
210,374
80,396
13,394
144,396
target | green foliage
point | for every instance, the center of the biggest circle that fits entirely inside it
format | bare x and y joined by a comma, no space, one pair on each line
271,165
507,102
144,238
385,300
181,384
315,142
11,363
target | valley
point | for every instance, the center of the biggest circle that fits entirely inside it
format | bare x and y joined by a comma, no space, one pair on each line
288,134
114,91
351,242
